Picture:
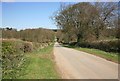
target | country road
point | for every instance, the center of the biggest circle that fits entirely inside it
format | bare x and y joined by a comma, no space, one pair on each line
75,64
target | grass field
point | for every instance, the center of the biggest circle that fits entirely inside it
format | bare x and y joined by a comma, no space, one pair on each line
114,57
40,65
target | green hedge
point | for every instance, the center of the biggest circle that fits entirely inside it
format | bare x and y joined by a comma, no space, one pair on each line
13,57
108,46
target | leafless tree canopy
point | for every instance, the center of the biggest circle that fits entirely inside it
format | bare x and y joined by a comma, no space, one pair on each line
87,21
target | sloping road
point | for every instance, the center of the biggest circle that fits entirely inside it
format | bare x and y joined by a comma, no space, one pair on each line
75,64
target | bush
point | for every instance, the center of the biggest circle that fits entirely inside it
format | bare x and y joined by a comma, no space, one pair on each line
27,47
13,57
108,46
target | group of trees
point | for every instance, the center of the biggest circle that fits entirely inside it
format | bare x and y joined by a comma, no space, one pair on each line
33,35
87,21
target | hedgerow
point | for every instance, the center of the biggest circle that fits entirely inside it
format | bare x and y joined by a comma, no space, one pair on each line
108,46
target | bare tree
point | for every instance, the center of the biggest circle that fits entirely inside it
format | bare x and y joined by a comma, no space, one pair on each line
107,11
86,20
75,19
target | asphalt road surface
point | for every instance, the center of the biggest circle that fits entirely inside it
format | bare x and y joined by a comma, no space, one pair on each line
74,64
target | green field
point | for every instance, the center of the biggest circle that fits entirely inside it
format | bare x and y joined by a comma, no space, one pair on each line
40,65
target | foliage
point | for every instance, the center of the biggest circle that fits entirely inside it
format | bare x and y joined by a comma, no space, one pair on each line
87,21
12,58
14,49
108,46
32,35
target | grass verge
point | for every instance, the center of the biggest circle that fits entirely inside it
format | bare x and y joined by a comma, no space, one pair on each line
114,57
40,65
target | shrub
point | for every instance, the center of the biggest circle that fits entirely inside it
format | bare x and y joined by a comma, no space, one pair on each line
27,47
13,57
108,46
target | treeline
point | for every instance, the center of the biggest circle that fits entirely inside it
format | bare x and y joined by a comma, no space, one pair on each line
33,35
84,23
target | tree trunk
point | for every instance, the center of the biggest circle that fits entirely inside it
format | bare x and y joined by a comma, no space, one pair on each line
78,38
97,33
